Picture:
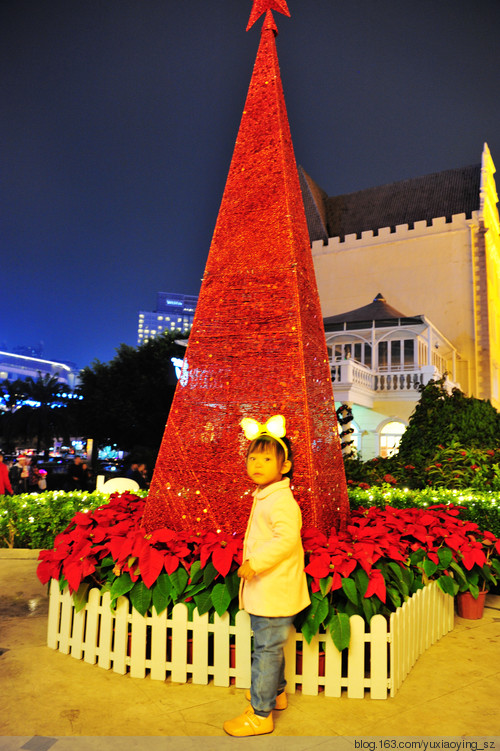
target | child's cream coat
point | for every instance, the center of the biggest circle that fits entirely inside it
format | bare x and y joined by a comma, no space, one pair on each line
273,548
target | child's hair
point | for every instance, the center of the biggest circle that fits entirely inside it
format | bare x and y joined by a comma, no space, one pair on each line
261,444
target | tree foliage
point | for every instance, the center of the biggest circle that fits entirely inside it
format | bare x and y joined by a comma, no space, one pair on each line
37,422
126,401
442,417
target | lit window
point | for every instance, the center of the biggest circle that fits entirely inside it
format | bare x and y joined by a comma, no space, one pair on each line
390,438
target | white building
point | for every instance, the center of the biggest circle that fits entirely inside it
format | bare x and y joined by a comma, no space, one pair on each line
431,246
14,366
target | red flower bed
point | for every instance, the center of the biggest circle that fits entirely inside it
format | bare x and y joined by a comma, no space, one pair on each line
378,561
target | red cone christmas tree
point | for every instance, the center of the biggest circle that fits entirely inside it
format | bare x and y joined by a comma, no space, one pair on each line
257,346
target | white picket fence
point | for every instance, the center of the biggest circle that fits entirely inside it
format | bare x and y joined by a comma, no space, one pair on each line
377,660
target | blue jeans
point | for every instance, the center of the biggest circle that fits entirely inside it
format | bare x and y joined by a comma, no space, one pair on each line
268,661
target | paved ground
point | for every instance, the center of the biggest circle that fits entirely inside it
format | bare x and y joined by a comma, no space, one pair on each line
52,700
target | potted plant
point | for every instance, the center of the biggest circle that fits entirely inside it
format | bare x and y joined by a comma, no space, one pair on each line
475,569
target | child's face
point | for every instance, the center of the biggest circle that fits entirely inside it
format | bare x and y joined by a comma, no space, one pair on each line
264,468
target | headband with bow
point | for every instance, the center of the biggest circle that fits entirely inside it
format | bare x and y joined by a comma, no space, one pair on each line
274,427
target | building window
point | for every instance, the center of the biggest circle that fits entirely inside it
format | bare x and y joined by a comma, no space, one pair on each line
422,353
390,438
396,355
358,351
382,355
409,353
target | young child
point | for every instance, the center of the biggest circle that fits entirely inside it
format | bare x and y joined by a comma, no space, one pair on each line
274,586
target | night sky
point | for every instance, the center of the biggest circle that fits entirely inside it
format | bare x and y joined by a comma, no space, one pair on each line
119,117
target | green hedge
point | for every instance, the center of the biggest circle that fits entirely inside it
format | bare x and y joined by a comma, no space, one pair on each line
33,520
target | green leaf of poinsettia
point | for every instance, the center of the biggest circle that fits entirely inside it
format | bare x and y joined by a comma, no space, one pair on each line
361,579
445,557
140,597
369,608
81,596
209,573
161,599
203,602
474,590
220,598
350,590
488,575
233,584
397,576
430,567
164,585
179,579
448,585
394,596
417,556
193,589
325,584
121,585
316,614
495,565
459,574
340,629
195,572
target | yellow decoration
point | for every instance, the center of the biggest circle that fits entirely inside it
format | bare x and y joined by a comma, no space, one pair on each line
274,427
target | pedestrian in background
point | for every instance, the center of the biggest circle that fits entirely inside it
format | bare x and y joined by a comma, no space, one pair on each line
5,486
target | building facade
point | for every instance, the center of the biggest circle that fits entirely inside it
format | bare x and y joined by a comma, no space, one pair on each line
15,367
174,312
431,246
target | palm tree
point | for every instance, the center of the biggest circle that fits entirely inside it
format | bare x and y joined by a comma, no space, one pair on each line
44,419
13,394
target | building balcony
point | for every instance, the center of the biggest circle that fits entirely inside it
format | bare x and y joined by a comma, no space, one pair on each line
356,383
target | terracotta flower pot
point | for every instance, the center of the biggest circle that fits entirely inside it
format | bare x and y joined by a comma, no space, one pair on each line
468,607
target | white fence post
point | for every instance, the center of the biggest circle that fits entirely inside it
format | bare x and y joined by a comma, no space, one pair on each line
200,648
242,649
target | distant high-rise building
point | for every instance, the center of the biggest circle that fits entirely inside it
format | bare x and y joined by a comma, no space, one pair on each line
173,312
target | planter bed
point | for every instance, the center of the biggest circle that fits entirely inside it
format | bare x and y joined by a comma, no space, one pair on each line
171,646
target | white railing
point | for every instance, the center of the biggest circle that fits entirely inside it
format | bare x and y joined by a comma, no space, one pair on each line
351,373
175,647
399,380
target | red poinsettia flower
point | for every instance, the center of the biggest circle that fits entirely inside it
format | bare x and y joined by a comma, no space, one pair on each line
376,585
223,548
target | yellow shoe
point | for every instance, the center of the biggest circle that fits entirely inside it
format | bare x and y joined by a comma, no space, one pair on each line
249,723
281,700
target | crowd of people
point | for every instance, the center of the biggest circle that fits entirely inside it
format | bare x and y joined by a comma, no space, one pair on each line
21,476
24,475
